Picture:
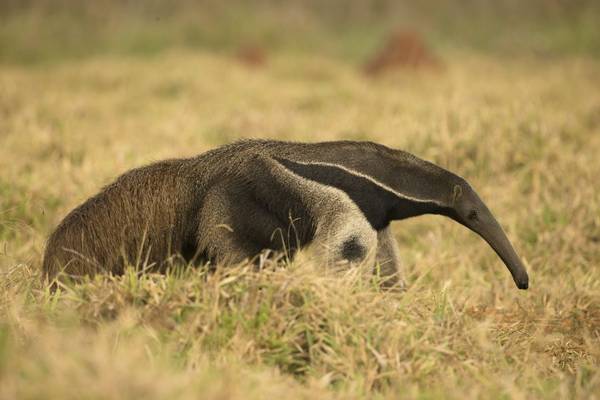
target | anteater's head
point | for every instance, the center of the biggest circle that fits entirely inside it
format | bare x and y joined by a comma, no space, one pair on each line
430,189
467,208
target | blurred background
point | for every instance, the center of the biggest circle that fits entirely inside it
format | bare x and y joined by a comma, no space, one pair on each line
39,31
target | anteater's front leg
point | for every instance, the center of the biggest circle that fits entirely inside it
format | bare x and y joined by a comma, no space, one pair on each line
218,239
344,236
389,265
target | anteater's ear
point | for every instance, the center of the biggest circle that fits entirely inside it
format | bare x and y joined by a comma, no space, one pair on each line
456,194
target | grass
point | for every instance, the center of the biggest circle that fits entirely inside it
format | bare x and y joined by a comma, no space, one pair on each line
524,132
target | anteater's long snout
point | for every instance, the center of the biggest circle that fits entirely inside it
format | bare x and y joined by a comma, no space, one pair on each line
493,233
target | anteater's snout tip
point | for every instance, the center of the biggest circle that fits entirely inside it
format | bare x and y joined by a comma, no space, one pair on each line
523,283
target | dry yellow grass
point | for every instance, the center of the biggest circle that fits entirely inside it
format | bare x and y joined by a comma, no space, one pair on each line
526,134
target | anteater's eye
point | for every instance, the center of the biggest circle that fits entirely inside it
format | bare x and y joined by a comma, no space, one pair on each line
473,215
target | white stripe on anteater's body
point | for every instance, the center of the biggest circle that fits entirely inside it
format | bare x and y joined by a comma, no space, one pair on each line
370,179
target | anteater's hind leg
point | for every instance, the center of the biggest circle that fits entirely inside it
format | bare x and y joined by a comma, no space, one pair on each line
217,237
388,259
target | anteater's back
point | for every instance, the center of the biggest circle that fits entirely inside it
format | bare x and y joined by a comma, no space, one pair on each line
136,219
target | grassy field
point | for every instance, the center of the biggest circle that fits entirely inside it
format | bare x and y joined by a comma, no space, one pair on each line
525,131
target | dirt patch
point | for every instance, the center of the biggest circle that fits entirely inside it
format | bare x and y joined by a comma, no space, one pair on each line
252,56
403,49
